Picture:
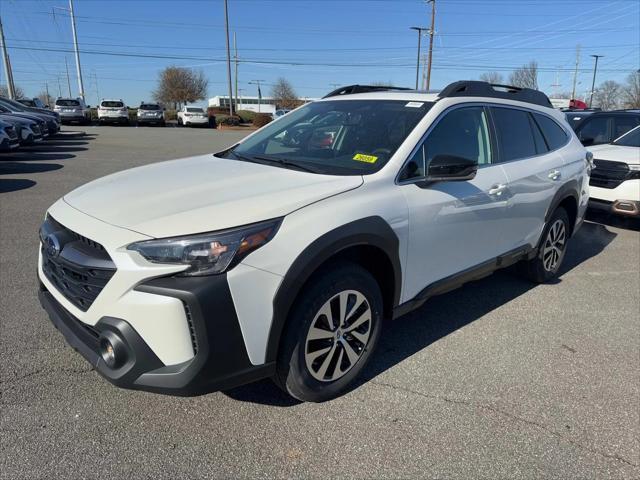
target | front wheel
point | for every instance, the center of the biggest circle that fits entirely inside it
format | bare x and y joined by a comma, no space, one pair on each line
330,335
553,246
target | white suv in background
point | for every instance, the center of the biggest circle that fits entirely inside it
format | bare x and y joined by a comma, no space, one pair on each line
113,111
281,256
615,181
188,115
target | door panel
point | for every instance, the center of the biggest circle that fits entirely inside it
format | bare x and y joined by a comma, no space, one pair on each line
453,225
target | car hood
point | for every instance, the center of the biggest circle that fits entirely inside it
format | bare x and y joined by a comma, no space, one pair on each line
200,194
616,153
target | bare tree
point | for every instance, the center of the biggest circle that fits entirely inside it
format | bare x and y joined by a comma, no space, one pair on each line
525,76
607,95
491,77
284,94
181,85
46,98
4,91
631,91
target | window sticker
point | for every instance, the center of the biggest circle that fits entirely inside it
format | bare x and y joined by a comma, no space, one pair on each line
360,157
414,104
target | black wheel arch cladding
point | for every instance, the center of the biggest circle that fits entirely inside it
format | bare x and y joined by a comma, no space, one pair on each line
367,232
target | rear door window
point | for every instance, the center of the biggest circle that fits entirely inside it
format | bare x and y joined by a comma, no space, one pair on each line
623,124
514,133
554,134
594,129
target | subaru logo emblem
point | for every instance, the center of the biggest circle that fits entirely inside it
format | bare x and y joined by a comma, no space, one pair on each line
52,245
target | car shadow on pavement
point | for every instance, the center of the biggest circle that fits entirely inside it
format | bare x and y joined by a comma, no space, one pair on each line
14,184
26,156
443,315
617,221
11,168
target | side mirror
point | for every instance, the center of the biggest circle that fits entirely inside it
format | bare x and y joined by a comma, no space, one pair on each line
445,168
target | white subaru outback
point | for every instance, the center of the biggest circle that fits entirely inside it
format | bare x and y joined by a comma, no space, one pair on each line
281,256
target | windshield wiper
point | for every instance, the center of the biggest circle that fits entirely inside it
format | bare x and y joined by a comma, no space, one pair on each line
286,163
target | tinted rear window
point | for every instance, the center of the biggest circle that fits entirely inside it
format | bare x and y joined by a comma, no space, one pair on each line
514,133
149,106
28,103
623,124
112,104
195,110
67,103
631,139
553,133
595,129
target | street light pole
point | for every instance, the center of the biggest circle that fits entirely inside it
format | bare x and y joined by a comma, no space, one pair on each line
419,30
257,82
75,48
226,28
593,83
7,66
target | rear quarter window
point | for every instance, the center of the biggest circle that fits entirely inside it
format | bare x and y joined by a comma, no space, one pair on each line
554,134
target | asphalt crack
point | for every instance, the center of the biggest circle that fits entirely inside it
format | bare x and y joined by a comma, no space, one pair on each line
510,416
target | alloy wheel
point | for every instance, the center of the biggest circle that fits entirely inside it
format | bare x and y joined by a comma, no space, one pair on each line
554,244
338,335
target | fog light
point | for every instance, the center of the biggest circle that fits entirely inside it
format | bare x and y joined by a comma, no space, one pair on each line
112,350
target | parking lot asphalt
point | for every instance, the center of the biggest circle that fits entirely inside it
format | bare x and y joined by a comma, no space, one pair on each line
499,379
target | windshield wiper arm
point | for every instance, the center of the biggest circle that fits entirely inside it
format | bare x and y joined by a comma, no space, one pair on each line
287,163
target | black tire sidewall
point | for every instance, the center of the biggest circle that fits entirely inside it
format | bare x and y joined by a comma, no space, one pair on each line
293,374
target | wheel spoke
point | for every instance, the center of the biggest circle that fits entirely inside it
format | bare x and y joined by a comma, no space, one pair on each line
322,371
365,317
344,299
318,334
337,371
352,355
318,353
326,311
361,337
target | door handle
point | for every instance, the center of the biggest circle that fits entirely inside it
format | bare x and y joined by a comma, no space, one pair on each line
555,174
497,189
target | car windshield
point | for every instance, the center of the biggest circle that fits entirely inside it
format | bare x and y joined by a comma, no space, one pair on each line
149,106
26,102
195,110
630,139
67,103
337,137
109,104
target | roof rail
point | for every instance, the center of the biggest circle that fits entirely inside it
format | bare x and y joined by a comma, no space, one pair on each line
473,88
351,89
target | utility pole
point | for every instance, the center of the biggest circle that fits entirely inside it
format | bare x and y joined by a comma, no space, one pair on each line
593,83
7,66
235,48
431,32
59,86
75,48
46,89
66,66
95,79
419,30
257,82
226,28
575,74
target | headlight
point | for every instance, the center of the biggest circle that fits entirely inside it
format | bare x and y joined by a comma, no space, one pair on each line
208,253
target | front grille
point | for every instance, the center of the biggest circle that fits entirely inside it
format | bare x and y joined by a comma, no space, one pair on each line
609,174
11,132
77,266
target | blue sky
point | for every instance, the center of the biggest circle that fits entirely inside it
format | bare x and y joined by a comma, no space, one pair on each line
315,44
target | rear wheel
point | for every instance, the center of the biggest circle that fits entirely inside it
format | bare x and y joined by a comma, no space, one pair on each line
332,331
546,264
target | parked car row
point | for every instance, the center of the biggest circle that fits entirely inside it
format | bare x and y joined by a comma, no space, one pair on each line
22,125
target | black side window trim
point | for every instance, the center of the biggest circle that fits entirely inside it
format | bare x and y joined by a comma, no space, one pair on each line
490,107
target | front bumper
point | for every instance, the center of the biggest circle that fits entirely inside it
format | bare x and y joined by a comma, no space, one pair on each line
622,200
220,361
9,144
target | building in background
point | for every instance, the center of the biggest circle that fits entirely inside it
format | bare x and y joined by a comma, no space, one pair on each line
265,105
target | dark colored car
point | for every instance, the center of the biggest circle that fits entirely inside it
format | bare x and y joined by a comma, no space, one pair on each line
8,137
29,131
52,119
574,117
32,103
30,118
605,127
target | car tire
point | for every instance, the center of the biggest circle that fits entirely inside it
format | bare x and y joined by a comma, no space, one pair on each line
552,249
320,357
